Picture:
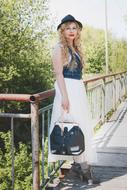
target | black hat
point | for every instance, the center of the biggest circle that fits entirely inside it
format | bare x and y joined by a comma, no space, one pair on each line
69,18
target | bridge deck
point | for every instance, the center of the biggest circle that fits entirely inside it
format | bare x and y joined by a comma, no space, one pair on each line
112,178
111,142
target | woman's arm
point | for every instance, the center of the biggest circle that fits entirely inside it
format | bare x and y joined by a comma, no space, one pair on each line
58,69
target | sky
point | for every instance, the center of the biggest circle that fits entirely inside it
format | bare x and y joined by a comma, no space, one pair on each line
92,13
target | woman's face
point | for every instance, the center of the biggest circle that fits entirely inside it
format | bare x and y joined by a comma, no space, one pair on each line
70,31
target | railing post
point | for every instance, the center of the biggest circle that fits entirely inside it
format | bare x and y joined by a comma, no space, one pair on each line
114,92
103,100
12,152
35,145
121,90
125,82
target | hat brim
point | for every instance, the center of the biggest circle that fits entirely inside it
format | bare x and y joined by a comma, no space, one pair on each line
79,23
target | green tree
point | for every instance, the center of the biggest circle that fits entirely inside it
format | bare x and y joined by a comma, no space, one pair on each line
118,57
93,47
93,42
22,164
25,63
25,60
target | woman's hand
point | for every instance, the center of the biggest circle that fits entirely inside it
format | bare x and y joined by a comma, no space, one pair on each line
65,103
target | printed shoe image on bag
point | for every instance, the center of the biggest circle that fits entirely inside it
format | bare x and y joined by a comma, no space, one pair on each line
67,140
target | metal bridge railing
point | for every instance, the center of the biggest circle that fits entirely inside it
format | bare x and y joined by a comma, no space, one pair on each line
104,94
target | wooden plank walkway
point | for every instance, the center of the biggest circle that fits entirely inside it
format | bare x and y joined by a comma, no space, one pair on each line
111,142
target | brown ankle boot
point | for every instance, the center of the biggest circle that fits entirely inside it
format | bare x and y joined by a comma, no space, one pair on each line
85,173
88,176
91,179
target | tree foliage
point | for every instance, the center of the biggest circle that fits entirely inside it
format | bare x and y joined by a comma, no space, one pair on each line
24,57
93,46
22,164
118,57
25,60
93,42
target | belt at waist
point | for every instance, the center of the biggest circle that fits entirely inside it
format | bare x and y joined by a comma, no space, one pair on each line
78,77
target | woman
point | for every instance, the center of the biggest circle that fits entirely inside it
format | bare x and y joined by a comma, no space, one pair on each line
70,97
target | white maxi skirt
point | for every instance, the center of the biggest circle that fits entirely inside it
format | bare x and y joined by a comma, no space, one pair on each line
80,112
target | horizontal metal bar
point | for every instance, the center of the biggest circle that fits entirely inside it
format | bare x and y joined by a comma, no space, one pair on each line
15,97
103,77
42,95
15,115
46,94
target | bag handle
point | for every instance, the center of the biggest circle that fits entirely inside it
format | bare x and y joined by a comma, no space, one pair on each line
65,117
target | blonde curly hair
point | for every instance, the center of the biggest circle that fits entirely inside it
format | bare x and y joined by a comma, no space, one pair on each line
76,47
